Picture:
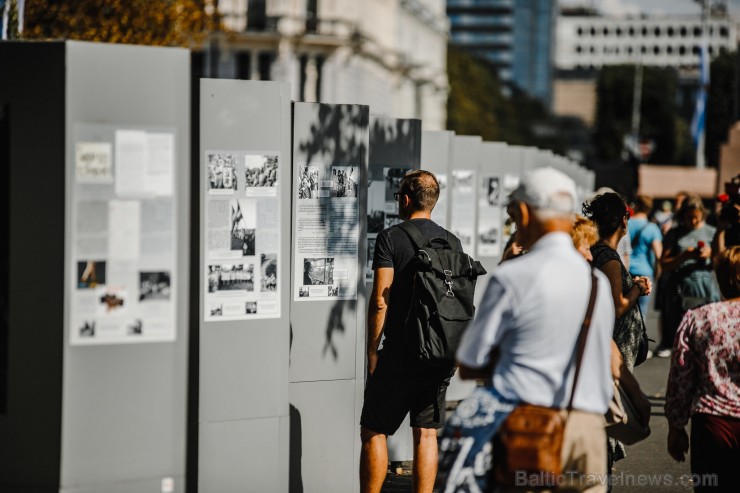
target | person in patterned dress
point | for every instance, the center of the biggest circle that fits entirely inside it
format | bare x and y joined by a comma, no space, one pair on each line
687,260
704,384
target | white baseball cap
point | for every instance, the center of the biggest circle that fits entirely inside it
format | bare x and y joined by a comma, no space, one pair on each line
547,189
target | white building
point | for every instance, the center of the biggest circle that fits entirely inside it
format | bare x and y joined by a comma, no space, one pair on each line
586,42
388,54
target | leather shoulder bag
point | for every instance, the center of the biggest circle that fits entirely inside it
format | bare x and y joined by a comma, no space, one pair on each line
531,438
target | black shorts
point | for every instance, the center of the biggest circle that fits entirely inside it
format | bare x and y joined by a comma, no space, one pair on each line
400,386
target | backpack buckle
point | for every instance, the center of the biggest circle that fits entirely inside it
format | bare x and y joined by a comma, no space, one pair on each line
448,281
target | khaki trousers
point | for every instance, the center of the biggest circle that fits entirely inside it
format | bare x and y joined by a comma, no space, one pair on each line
583,457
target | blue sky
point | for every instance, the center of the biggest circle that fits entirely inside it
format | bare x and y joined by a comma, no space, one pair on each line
633,7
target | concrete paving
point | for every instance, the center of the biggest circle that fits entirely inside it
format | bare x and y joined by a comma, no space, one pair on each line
648,467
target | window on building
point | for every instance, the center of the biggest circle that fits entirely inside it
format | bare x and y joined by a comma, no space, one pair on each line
670,31
711,50
632,31
697,31
683,31
243,65
592,50
656,31
579,31
312,16
696,50
593,31
618,31
724,32
630,50
579,49
681,50
656,50
643,49
256,15
606,31
644,31
264,61
669,50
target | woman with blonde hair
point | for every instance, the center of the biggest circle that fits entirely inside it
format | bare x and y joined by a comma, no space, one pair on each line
704,383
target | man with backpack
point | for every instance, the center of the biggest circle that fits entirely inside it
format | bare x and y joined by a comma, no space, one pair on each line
421,301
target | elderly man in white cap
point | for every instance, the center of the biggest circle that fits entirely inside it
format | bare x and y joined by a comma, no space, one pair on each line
532,313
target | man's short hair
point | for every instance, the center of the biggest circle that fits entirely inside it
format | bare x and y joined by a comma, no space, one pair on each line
643,203
422,188
727,268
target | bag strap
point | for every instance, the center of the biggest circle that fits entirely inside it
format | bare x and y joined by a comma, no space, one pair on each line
636,239
581,346
413,232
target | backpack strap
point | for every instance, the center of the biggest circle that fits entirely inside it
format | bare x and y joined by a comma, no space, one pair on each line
581,345
413,232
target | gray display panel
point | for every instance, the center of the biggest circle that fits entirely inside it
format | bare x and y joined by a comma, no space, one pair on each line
327,343
436,156
395,148
243,383
125,421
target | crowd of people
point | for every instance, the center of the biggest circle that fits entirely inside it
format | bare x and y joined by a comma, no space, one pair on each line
683,262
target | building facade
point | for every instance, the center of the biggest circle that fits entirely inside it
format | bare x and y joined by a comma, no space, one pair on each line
515,36
589,42
388,54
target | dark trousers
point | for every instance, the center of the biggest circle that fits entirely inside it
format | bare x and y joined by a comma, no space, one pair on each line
715,450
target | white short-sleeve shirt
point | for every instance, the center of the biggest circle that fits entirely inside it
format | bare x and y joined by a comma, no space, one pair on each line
532,310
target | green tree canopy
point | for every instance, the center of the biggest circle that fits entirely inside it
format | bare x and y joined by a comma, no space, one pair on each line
477,105
658,112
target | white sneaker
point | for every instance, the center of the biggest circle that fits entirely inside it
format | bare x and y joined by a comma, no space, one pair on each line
663,353
650,354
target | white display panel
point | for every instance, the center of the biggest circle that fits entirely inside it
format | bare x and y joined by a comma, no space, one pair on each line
327,231
489,216
242,235
123,255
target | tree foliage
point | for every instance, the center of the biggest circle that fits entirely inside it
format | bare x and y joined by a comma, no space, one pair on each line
721,103
148,22
477,105
658,112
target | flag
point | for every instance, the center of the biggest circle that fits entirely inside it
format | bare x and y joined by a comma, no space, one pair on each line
4,4
700,111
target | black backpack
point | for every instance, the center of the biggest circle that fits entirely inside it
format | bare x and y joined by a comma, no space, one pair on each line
442,297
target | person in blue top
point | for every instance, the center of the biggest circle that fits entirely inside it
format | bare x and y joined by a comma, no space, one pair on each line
647,245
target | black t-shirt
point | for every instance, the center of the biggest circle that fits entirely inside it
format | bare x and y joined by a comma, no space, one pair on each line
393,248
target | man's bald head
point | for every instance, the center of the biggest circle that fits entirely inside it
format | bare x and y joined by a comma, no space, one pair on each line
422,188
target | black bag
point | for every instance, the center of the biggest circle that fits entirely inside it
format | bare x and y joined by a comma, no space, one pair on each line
442,297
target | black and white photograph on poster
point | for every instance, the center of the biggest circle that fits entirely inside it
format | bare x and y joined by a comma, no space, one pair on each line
303,292
333,291
464,235
94,162
243,225
260,171
87,329
489,234
221,172
392,220
90,274
375,222
393,177
318,271
154,286
226,277
462,179
250,307
268,271
344,181
111,300
135,328
493,190
216,309
308,182
370,255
